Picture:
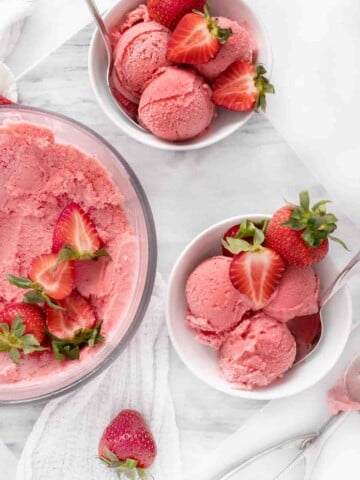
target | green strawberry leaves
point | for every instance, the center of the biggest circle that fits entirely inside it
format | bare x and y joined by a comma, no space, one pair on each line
247,230
36,292
315,223
127,468
14,340
263,87
69,348
68,253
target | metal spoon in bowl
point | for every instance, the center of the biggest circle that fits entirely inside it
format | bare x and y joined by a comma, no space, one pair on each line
105,36
335,286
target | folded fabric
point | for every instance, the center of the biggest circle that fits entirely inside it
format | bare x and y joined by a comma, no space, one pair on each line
12,16
7,83
63,443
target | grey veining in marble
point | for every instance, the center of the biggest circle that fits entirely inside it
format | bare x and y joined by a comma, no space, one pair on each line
248,172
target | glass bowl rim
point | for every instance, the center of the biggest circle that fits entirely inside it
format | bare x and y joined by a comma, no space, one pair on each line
151,264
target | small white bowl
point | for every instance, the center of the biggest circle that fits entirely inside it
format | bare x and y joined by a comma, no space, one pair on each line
203,360
226,122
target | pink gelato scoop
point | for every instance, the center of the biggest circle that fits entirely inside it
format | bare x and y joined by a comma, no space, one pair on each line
176,105
240,46
296,295
215,306
139,52
257,352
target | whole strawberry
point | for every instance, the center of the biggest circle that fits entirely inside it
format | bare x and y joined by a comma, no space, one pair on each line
300,234
127,445
22,329
169,12
5,101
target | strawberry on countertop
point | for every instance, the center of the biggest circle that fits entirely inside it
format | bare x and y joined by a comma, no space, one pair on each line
197,38
254,270
47,280
300,234
169,12
75,236
242,87
127,445
22,329
72,327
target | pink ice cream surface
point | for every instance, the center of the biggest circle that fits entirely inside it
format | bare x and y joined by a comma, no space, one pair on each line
296,295
339,401
176,105
239,46
257,352
140,14
39,177
139,53
215,306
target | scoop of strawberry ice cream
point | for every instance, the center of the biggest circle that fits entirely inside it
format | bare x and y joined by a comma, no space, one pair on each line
176,105
140,51
215,306
138,15
257,352
239,46
297,294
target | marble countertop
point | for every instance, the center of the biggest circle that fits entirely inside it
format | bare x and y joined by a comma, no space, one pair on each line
250,172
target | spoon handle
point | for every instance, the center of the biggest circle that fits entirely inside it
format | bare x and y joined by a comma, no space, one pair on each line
99,21
341,279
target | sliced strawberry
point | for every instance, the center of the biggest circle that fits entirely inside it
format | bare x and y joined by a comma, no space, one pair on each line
256,273
196,39
22,329
47,280
73,327
5,101
75,236
242,87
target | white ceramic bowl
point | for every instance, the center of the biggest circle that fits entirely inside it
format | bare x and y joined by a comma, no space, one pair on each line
202,360
226,122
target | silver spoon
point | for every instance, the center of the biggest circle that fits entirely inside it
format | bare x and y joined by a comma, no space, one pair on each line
304,442
335,286
105,36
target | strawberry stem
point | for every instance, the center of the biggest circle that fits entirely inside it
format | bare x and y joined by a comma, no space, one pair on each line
36,292
263,87
247,229
126,467
70,347
14,340
221,34
315,224
69,253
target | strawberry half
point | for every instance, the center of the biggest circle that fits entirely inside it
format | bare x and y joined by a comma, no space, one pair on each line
127,445
47,281
256,272
75,236
197,38
249,231
22,329
73,327
242,87
5,101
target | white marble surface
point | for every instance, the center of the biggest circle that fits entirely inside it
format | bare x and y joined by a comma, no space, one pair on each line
248,172
315,46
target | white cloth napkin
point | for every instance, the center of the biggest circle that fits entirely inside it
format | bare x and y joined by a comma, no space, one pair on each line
12,15
63,443
286,418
